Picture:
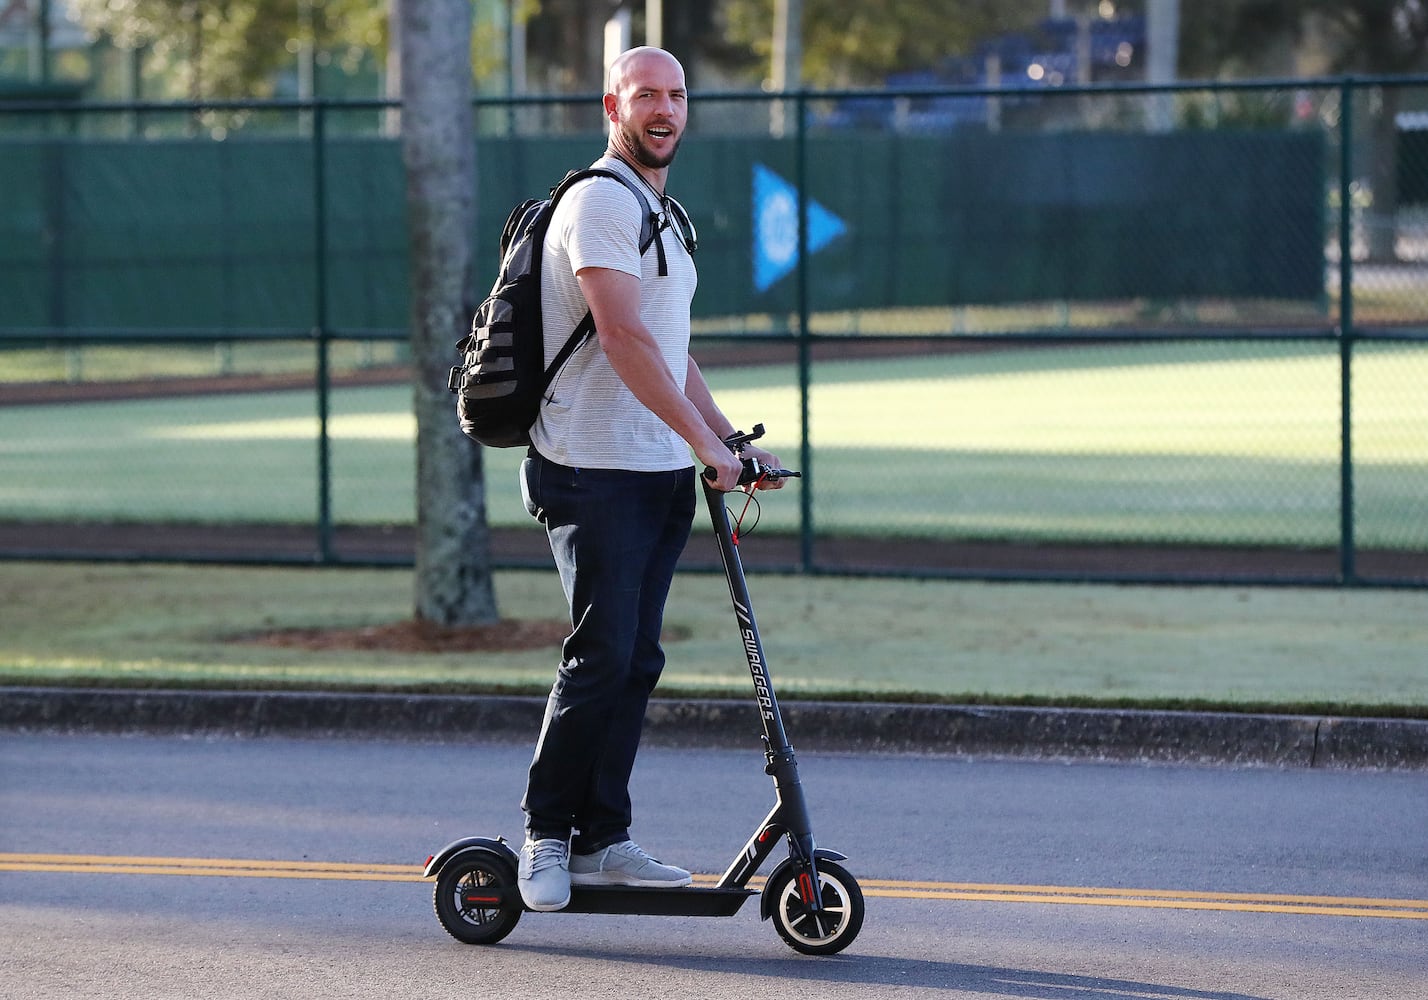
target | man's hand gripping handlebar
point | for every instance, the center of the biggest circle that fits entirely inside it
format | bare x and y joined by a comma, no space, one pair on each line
755,472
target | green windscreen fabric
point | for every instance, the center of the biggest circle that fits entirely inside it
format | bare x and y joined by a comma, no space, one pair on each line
204,236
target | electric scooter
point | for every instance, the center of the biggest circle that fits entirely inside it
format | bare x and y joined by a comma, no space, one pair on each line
815,905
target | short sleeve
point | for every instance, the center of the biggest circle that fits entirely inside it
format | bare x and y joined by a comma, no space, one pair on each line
600,226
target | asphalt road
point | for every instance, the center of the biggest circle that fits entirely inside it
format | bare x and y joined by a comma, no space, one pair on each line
162,866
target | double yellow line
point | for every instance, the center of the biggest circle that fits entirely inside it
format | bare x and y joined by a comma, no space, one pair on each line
104,864
1252,902
1336,906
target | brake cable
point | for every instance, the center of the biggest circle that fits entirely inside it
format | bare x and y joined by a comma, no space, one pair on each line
738,524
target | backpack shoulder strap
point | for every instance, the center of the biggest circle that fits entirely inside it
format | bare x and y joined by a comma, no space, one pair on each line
649,233
649,230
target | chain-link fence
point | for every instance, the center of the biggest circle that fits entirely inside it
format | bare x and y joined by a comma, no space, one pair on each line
1099,333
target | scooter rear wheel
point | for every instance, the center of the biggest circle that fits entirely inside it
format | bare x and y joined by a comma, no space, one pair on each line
825,931
476,897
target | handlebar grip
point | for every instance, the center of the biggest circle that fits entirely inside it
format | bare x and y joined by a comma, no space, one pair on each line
753,472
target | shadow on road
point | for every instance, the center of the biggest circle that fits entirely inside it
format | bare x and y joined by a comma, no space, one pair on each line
981,980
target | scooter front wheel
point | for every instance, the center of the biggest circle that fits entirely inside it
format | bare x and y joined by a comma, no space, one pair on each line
830,928
476,897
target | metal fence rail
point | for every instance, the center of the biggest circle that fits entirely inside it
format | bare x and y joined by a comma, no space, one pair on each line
1124,332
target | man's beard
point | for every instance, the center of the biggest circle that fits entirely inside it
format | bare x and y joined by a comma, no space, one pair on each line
644,156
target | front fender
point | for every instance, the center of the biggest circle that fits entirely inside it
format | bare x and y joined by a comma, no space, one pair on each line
766,900
439,860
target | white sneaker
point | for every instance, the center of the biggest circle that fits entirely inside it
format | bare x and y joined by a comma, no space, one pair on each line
544,876
625,864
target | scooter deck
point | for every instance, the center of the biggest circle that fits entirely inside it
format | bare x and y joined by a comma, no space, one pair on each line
684,902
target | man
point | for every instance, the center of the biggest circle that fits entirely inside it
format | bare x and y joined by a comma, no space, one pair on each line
609,475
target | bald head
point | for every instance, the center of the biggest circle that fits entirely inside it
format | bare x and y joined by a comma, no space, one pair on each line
647,105
628,62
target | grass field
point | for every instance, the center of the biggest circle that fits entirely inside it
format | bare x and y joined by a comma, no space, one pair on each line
1209,442
1337,651
1229,443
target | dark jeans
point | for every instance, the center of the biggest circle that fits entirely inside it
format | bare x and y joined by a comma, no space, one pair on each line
616,537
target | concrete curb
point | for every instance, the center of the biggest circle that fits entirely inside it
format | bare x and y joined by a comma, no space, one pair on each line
1104,734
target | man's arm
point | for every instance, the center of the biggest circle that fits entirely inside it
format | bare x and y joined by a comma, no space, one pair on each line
614,300
698,392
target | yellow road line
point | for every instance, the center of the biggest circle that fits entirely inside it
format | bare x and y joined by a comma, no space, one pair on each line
103,864
1340,906
1406,909
979,890
123,859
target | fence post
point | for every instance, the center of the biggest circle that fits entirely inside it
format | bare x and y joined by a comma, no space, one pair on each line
1346,332
320,332
805,456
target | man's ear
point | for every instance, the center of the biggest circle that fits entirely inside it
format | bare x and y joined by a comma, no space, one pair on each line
612,106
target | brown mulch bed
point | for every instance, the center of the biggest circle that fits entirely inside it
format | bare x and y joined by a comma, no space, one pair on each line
38,393
413,636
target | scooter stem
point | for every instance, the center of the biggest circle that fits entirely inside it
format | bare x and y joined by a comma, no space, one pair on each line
790,813
771,717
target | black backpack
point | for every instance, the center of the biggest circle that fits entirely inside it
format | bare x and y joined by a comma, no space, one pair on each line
502,378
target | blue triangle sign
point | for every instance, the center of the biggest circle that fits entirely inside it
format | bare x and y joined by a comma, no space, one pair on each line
776,227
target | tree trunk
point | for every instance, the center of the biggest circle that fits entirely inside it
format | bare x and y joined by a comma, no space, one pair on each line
453,559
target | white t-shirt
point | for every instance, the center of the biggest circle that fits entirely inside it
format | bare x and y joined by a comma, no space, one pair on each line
591,419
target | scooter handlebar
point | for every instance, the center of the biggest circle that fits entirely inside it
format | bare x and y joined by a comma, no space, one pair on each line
753,471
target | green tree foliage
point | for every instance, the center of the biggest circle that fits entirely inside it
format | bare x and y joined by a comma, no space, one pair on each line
1362,36
1375,36
857,44
236,48
490,30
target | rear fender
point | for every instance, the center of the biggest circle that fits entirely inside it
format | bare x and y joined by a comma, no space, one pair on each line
441,858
